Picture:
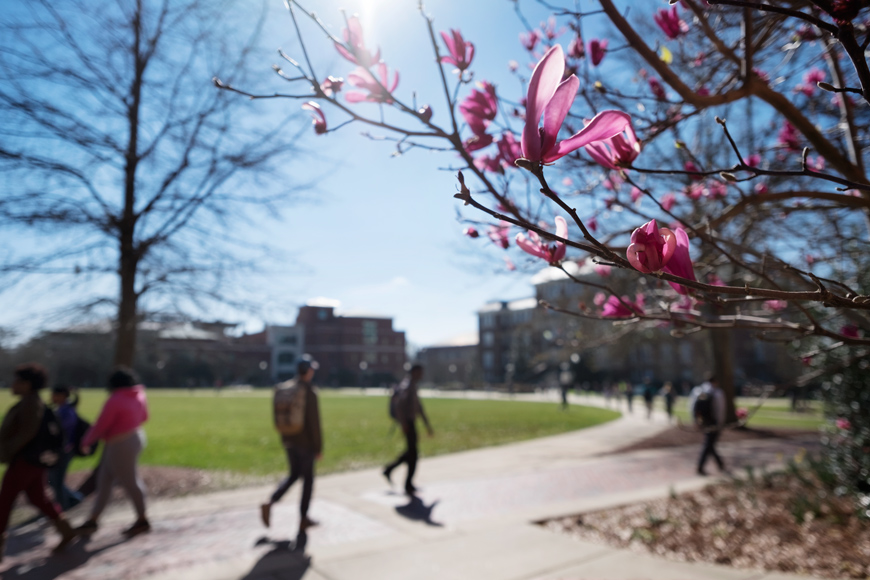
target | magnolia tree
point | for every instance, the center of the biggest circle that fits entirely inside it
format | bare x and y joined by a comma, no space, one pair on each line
713,150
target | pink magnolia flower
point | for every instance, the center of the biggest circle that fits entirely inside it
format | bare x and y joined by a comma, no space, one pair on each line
597,49
616,152
471,232
714,280
849,330
693,170
509,149
668,201
592,224
807,360
716,189
816,163
550,96
461,52
775,305
567,182
530,39
753,160
479,108
657,89
603,270
651,247
549,29
317,115
695,191
331,85
761,188
635,194
499,234
509,264
477,142
843,423
815,75
789,137
600,299
576,48
614,308
680,263
488,163
513,65
535,246
742,413
671,23
379,90
353,38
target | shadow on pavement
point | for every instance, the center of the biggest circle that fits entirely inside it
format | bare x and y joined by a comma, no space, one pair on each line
416,510
286,560
73,557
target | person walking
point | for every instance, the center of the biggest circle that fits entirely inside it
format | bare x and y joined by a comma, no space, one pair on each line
120,426
649,394
707,407
405,408
296,414
669,394
20,435
65,409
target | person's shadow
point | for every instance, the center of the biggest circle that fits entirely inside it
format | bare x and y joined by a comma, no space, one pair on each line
416,510
286,558
74,556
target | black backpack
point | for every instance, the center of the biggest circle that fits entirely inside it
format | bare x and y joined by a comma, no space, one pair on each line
400,401
79,431
45,448
705,415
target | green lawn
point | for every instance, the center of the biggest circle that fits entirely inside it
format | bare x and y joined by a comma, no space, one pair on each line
774,413
233,431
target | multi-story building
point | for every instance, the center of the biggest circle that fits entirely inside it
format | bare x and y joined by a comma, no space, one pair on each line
524,341
352,350
453,364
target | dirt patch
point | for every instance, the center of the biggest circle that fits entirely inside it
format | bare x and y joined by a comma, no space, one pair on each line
780,522
679,436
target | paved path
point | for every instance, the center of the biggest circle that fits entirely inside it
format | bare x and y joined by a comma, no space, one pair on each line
473,519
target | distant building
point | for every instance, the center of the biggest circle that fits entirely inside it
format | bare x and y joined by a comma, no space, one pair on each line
453,364
521,341
352,350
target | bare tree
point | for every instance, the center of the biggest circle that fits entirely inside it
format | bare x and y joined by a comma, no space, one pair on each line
116,150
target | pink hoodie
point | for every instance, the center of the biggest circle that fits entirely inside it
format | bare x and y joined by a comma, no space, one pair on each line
125,409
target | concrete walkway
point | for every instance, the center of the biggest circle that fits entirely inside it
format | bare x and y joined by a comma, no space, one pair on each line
474,519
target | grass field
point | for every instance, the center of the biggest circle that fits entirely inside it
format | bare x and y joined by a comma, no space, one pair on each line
233,431
774,413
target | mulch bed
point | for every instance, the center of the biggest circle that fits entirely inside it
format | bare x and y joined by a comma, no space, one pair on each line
782,522
685,435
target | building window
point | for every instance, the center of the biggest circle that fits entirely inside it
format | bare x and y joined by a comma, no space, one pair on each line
488,359
288,339
286,358
488,338
370,332
371,357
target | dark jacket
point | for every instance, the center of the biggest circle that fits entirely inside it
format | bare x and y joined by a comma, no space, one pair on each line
20,425
310,438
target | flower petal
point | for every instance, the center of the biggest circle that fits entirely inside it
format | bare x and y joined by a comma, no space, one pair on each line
545,79
604,125
556,110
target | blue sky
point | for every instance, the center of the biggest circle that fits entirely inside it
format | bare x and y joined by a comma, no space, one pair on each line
381,232
378,233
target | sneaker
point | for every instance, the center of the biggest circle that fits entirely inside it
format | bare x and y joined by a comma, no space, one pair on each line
266,513
307,523
410,489
67,534
140,526
702,473
87,528
387,474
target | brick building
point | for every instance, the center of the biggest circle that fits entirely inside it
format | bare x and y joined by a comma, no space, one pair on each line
352,350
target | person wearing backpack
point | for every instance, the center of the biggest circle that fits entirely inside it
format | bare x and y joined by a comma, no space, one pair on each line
296,414
29,435
405,407
65,409
707,408
119,425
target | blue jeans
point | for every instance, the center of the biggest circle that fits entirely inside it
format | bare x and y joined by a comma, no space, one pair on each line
63,495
